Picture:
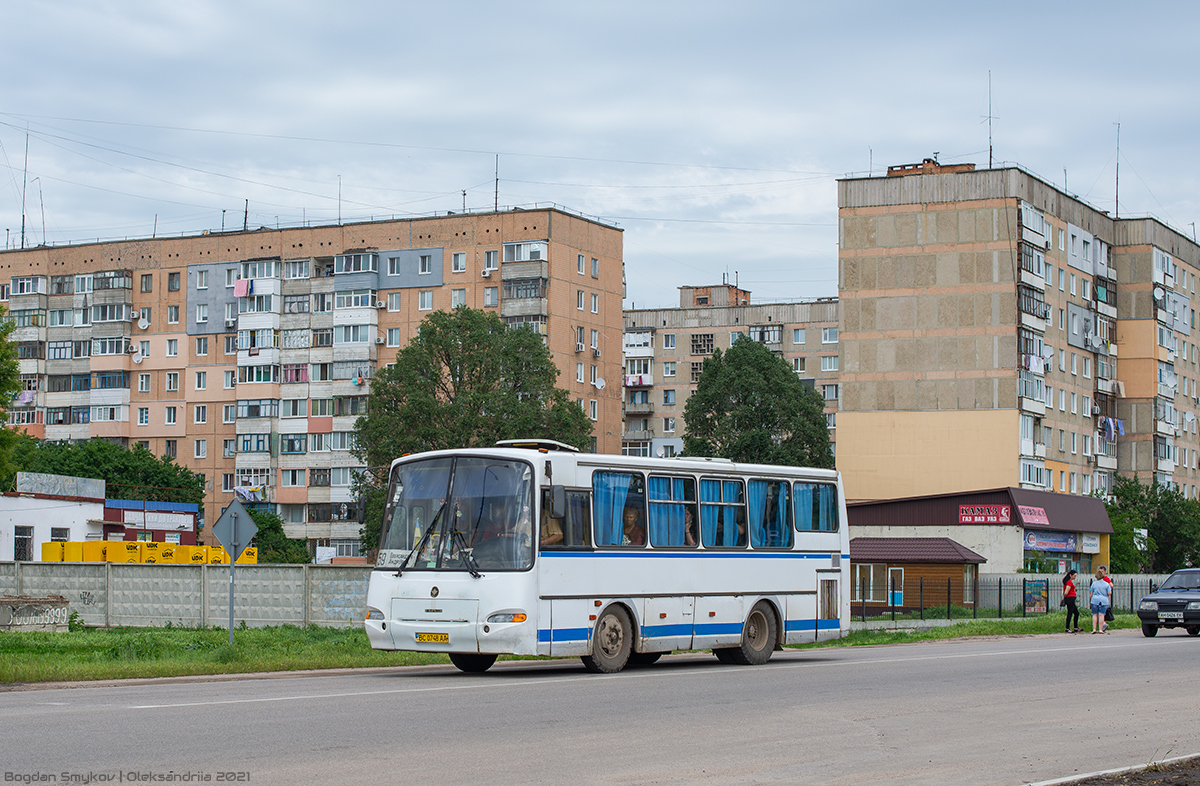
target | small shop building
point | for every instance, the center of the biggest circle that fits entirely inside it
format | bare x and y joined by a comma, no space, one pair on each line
913,573
1013,529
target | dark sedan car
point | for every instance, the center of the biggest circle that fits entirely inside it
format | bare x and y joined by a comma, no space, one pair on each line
1176,604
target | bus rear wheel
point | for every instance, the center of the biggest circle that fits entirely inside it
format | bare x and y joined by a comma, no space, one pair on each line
611,643
758,637
472,662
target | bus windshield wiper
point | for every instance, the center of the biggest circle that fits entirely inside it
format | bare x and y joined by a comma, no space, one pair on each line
424,535
467,557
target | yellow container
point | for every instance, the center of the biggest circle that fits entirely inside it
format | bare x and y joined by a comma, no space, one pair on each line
217,555
93,550
123,551
73,551
167,552
151,551
197,555
249,556
52,551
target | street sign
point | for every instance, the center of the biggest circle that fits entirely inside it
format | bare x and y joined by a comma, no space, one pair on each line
224,529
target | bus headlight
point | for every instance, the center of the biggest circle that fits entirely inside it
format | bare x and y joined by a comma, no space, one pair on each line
507,616
374,614
1148,605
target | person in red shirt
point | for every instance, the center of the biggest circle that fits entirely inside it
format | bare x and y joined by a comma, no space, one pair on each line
1071,597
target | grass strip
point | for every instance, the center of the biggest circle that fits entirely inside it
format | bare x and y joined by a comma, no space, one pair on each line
117,653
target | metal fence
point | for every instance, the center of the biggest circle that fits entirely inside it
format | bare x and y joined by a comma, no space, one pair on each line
113,594
988,597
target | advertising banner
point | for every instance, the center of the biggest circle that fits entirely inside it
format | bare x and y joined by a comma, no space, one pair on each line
1031,515
1050,541
1037,596
984,514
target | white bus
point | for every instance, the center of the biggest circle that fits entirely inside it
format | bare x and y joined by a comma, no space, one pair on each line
531,548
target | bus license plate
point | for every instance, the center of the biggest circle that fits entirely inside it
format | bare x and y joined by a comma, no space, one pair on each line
1170,615
433,638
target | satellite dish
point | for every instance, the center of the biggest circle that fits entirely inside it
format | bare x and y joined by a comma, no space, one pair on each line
599,383
661,452
138,357
143,323
1158,293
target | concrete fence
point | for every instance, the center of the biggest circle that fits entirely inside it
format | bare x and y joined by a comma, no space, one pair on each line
114,593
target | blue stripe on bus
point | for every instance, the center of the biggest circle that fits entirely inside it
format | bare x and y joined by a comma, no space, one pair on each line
653,631
563,634
793,625
717,628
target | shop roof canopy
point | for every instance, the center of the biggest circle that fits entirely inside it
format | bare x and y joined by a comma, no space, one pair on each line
1039,510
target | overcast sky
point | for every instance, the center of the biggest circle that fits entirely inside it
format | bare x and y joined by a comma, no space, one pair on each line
712,133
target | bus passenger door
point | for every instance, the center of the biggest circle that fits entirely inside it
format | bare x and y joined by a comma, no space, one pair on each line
718,621
570,630
667,624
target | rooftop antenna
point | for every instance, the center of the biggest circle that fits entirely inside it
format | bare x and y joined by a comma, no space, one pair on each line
990,118
24,186
1117,208
246,217
464,200
496,197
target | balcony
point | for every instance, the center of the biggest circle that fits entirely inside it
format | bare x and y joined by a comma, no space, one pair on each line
1032,391
638,435
1166,391
639,380
643,408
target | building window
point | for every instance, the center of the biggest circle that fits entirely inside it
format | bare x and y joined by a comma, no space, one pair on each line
829,335
829,363
668,340
798,335
170,449
668,397
593,409
829,392
173,315
425,300
458,262
595,268
143,416
668,368
143,383
201,450
201,345
201,380
173,282
458,297
228,412
425,264
322,302
668,425
595,303
200,414
230,379
172,347
296,269
170,416
172,380
491,260
291,477
798,365
579,263
579,295
491,296
393,337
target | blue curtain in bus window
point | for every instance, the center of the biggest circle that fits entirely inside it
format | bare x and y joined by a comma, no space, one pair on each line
710,491
677,524
779,533
731,493
659,492
829,517
804,506
756,495
576,519
609,490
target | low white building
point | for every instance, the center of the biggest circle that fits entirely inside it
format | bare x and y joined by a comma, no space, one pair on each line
49,507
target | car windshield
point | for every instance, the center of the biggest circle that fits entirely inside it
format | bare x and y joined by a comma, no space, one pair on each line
463,513
1189,580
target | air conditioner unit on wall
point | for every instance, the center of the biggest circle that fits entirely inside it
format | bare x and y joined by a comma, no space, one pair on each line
379,339
231,323
595,353
579,347
381,304
486,273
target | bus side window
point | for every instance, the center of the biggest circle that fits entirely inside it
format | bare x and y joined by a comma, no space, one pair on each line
722,514
620,508
672,514
770,511
816,507
572,531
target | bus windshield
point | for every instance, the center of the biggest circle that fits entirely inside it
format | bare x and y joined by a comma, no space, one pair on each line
462,513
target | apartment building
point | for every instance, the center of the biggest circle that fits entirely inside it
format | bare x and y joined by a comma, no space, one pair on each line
996,332
665,350
248,356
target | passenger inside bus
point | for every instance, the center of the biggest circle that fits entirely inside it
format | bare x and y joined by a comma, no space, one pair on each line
635,533
572,531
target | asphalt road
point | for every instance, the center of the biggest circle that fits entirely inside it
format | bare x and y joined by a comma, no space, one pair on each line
978,711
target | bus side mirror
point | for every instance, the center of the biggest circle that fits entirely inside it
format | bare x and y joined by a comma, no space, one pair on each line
558,502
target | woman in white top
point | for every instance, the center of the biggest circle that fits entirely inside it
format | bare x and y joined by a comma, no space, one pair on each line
1101,597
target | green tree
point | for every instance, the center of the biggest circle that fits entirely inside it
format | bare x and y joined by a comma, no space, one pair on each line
1170,520
465,380
129,473
10,386
750,406
273,545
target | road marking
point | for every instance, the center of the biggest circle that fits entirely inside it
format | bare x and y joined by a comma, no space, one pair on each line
591,678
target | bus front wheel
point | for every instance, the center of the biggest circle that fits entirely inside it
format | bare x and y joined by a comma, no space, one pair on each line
611,643
472,662
758,637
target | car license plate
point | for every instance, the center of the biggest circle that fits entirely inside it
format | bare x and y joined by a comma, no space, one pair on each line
1170,615
433,638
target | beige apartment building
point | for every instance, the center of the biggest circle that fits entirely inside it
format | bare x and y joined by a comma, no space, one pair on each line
248,356
997,332
665,349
